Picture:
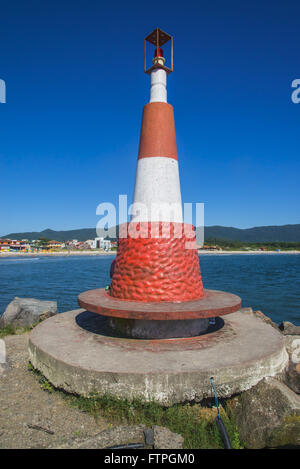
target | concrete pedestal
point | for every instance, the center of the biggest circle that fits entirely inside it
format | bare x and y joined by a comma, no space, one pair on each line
76,351
150,329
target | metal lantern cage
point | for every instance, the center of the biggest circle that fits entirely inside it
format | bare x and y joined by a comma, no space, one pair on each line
158,38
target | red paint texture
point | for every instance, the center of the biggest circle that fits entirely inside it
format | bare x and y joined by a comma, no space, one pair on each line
158,136
152,266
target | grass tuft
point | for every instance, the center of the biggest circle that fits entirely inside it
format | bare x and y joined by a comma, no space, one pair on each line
9,329
44,383
195,423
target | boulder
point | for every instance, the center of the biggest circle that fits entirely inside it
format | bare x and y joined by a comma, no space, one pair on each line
288,434
22,312
292,345
292,373
268,415
165,439
292,376
288,328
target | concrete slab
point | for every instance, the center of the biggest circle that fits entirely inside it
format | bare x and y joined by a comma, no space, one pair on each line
74,351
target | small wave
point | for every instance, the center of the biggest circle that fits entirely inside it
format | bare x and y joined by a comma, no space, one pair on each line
17,259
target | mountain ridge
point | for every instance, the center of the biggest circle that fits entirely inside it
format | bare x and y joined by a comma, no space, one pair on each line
270,233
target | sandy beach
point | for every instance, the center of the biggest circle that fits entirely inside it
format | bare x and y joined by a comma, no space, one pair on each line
246,252
113,253
57,254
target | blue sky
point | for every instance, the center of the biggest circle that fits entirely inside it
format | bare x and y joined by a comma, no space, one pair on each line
75,91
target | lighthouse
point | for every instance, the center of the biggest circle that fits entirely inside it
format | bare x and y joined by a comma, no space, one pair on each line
157,257
156,289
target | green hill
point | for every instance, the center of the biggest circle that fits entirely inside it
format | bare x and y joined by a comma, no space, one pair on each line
259,234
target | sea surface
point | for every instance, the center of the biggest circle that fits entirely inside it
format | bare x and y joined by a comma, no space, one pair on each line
268,282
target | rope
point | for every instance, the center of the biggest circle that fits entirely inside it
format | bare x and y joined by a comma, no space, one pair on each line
216,395
219,421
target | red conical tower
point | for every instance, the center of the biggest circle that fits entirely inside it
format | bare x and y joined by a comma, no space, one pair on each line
157,257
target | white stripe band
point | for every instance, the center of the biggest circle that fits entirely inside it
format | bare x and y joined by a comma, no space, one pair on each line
158,90
157,195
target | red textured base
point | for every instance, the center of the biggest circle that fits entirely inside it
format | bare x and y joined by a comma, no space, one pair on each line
213,303
157,261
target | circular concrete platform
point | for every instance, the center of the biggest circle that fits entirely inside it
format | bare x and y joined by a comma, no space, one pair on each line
213,303
76,353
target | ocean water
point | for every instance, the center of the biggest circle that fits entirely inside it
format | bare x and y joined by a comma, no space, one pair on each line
268,282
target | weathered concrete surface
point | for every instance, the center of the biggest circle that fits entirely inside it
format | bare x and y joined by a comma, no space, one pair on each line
266,319
268,415
22,312
83,359
260,315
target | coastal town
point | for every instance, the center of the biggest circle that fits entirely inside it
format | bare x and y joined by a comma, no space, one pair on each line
44,245
101,245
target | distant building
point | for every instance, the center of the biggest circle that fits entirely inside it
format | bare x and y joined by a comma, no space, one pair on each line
13,245
74,243
208,247
5,244
88,243
54,244
101,243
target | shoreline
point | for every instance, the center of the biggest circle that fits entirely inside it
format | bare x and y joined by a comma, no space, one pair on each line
57,254
247,252
113,253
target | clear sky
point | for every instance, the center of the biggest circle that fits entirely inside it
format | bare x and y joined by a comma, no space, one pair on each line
75,90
